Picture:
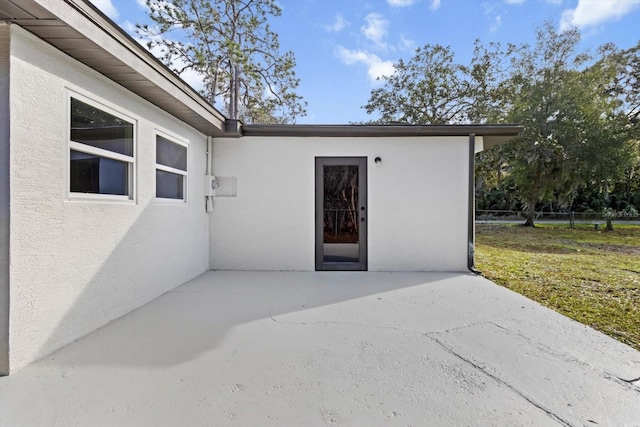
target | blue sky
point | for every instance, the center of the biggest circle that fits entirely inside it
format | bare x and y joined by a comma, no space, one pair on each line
341,46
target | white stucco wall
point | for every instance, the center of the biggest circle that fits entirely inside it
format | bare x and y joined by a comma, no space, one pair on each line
270,224
4,198
76,265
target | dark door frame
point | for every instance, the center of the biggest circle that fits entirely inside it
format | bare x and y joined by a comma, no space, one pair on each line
361,162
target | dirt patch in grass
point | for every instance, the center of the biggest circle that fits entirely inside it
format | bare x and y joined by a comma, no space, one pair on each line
619,249
590,276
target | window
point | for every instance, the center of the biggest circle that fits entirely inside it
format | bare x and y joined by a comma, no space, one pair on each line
171,169
101,152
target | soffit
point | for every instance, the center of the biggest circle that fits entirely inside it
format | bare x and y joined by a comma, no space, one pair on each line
84,33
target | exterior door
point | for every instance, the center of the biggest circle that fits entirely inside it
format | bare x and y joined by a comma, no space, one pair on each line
341,213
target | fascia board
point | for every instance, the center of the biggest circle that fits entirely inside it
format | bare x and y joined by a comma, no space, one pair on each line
492,134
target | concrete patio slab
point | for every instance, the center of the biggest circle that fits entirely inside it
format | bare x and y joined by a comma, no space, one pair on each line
312,349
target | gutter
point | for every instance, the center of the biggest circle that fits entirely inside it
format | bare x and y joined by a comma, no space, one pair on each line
471,224
491,133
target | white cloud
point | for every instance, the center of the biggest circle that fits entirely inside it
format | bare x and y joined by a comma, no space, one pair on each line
493,16
376,28
142,3
376,67
193,79
589,13
400,3
107,7
130,27
435,4
338,25
496,24
514,1
407,44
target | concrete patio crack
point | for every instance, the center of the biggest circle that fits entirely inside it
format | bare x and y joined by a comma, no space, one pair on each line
499,380
571,358
432,335
635,381
457,328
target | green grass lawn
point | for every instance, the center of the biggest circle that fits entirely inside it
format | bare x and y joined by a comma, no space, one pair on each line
590,276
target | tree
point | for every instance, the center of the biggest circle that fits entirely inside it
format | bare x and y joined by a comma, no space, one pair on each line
230,44
535,87
428,89
431,88
625,87
627,82
580,113
489,73
573,134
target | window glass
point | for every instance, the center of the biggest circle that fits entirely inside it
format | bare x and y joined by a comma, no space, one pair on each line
170,154
90,173
97,128
169,185
171,169
101,151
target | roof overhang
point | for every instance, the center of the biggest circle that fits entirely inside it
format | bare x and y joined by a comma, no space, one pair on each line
492,134
79,29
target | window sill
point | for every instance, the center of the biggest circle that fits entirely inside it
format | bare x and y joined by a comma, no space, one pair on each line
170,202
99,198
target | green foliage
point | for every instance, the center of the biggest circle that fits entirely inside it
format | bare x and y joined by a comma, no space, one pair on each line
577,135
629,212
429,88
580,115
230,44
627,82
572,135
592,277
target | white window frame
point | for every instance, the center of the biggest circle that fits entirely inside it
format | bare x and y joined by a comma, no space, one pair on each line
185,180
78,146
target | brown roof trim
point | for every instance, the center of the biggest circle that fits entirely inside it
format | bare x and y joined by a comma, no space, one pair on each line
492,134
380,130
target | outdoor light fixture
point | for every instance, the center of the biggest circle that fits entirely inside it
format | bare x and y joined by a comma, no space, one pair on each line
378,161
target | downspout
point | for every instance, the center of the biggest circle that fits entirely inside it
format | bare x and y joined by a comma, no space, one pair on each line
208,178
471,225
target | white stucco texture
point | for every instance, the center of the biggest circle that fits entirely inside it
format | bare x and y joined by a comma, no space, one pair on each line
4,197
270,224
78,264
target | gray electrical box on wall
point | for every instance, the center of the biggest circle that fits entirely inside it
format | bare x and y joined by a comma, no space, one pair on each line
227,186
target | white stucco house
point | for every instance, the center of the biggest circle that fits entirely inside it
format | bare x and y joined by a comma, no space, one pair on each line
108,162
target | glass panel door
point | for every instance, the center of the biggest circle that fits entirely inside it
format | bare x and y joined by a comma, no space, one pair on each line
341,213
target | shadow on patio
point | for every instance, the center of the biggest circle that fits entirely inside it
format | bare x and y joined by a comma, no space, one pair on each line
195,317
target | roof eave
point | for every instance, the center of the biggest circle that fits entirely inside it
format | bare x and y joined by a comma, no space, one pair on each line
492,134
79,29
